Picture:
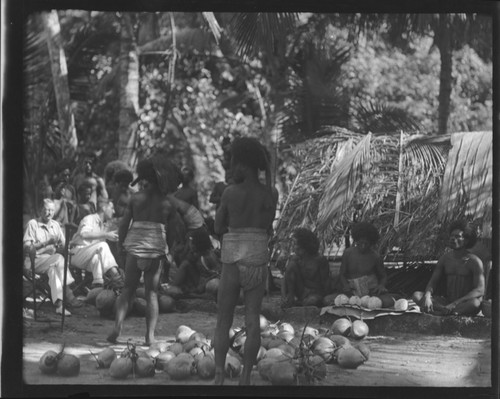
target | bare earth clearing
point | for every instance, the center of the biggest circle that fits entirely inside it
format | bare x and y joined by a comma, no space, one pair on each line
396,360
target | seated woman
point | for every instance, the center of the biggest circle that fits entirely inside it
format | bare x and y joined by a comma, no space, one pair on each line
362,269
307,275
199,266
464,277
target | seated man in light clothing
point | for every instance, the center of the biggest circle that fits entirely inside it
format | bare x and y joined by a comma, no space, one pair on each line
89,249
47,237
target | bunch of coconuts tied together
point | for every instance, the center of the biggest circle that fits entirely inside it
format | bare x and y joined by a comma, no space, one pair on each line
61,363
190,355
104,299
290,356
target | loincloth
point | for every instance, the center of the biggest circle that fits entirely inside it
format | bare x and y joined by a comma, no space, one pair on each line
247,248
363,285
147,242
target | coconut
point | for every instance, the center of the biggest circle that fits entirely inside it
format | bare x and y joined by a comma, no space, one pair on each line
193,343
323,347
48,362
283,373
205,367
197,353
275,342
140,293
273,353
264,366
212,286
350,358
105,358
339,340
183,334
359,329
264,323
261,353
180,367
176,348
374,303
401,305
105,302
312,332
199,336
166,304
153,352
232,366
265,341
92,295
163,358
287,350
355,300
68,365
286,335
341,326
161,346
387,301
144,367
185,355
139,306
295,341
363,349
363,301
341,300
286,327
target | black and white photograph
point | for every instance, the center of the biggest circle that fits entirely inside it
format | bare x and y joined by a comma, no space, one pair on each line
161,146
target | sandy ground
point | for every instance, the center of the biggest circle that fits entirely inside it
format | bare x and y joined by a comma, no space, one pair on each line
396,361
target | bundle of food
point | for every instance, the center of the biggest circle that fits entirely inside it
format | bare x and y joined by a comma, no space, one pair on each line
384,301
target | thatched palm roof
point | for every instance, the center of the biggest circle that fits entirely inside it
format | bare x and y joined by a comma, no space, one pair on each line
409,186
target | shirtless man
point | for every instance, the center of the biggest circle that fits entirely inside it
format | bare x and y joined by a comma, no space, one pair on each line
145,241
362,269
464,277
245,217
307,274
96,182
187,193
84,206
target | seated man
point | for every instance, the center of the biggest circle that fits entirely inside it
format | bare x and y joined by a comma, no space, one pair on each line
84,206
64,208
199,266
307,274
464,277
47,237
90,251
362,269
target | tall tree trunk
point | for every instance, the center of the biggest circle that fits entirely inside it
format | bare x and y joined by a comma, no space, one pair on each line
60,82
443,39
129,94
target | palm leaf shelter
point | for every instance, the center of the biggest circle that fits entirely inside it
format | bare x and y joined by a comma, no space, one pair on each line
409,186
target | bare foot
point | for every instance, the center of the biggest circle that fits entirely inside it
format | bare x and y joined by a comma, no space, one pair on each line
219,378
112,337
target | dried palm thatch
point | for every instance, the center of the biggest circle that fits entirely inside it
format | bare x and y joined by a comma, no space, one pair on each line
393,181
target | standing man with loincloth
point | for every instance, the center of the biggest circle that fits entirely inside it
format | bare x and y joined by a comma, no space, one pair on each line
245,217
95,181
464,276
145,241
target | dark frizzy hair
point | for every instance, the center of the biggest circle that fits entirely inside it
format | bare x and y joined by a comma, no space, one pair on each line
159,171
85,185
123,176
307,240
365,230
201,240
249,152
470,233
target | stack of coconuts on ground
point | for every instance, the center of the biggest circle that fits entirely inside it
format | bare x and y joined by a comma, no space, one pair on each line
295,357
385,301
104,299
61,363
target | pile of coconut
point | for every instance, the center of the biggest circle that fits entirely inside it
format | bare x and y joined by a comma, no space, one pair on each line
287,356
368,302
104,299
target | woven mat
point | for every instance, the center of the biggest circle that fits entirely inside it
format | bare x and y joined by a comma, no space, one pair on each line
367,314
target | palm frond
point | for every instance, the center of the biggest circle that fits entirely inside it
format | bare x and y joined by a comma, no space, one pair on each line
468,177
343,182
213,24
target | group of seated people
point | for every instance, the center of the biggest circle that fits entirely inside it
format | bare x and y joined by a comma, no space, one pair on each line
307,279
95,207
94,210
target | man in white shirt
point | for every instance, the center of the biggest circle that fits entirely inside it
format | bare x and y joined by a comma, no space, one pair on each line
89,249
